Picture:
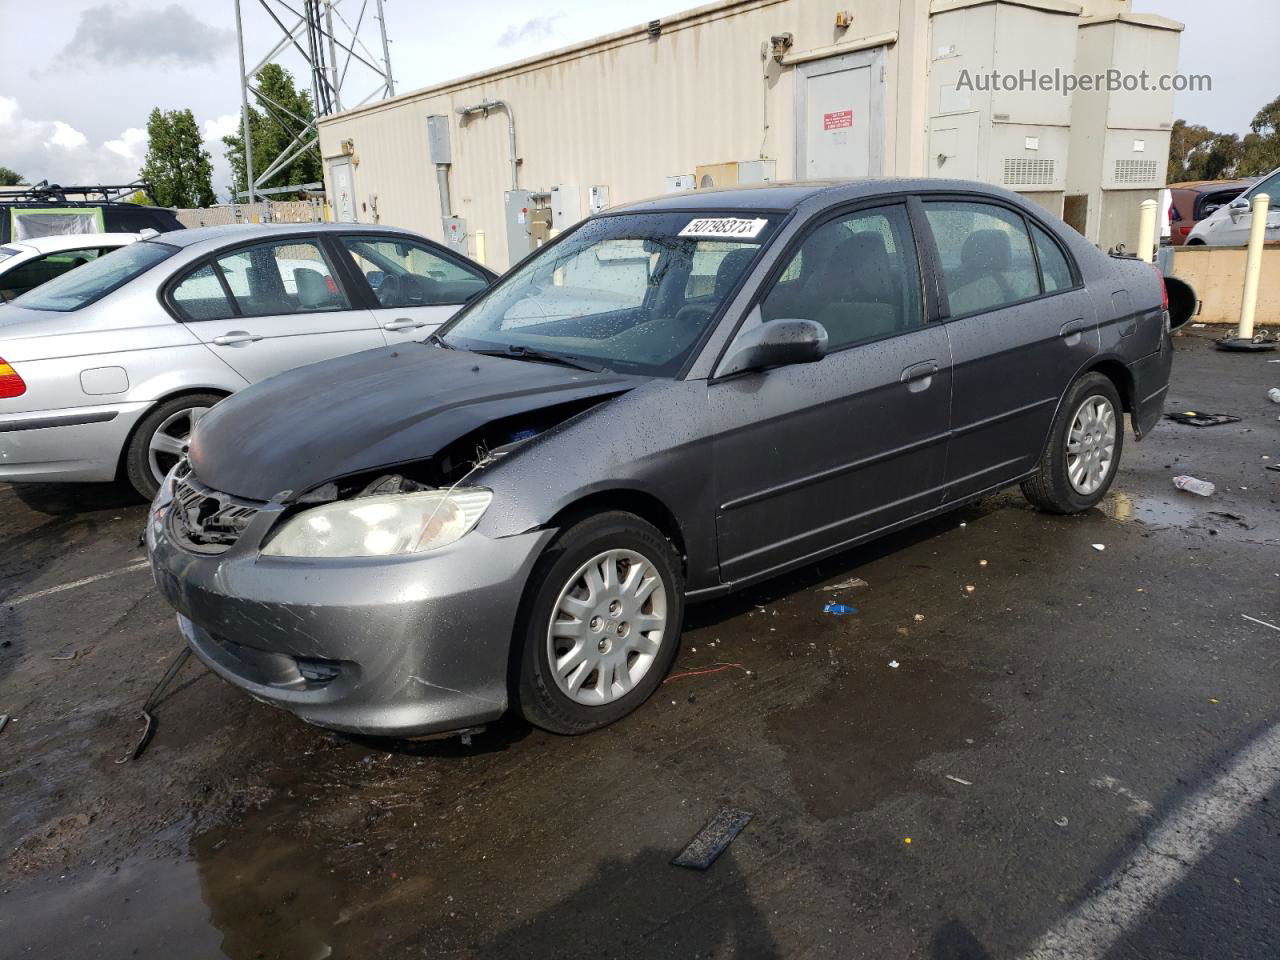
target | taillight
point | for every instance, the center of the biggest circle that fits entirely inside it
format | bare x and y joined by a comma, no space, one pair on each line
11,385
1185,231
330,285
1164,288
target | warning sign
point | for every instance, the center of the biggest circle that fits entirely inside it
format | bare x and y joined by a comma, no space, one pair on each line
838,119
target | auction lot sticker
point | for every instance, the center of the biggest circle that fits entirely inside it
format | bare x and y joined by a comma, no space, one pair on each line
723,227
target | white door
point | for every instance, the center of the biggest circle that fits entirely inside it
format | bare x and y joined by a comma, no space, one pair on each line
344,191
417,285
840,116
273,306
1231,225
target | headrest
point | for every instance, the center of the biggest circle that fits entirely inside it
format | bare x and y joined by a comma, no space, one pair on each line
986,251
731,267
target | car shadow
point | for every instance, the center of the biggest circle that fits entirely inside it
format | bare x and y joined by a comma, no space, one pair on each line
65,499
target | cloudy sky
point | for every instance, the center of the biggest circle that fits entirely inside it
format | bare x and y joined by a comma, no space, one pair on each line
77,85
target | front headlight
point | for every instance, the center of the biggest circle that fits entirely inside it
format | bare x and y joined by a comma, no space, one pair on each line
381,526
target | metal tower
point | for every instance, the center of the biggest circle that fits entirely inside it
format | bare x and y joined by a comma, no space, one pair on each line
328,35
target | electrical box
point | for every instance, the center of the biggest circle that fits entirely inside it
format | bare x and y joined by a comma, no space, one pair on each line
756,171
598,198
519,207
438,139
566,206
455,233
540,225
681,181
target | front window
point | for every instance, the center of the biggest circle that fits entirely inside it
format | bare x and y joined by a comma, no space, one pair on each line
630,292
96,279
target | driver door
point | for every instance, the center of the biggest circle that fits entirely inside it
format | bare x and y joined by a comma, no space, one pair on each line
416,287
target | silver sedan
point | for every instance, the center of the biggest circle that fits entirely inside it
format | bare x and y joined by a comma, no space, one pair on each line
104,370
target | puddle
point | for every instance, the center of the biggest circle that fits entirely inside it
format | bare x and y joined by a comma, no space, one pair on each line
858,741
1151,511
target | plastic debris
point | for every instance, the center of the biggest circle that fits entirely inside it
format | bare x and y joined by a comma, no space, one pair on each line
982,563
853,584
969,588
1098,546
839,609
919,618
906,839
65,656
893,664
963,783
4,720
712,839
1201,488
1263,622
1194,419
1273,466
1062,821
1274,394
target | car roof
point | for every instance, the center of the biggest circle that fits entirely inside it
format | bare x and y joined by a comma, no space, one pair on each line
74,241
247,231
789,195
1209,186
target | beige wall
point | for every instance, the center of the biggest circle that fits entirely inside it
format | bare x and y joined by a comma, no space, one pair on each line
693,96
1217,275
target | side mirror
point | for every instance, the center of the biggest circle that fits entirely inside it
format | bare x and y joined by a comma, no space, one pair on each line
777,343
1239,207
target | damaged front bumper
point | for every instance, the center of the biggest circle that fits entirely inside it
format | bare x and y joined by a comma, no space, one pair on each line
401,646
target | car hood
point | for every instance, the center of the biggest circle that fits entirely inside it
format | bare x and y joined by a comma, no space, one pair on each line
288,434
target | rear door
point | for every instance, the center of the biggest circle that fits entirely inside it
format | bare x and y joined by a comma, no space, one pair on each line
813,456
272,306
1020,325
414,286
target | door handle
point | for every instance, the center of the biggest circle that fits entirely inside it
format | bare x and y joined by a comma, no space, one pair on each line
236,337
1071,331
404,323
920,375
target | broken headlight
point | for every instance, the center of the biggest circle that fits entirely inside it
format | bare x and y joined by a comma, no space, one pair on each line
381,526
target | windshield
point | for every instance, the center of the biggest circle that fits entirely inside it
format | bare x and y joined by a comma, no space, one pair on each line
629,292
97,278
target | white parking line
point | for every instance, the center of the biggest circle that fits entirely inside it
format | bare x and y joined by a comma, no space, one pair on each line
140,565
1166,857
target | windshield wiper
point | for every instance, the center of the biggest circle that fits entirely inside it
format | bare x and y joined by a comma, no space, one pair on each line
521,352
437,340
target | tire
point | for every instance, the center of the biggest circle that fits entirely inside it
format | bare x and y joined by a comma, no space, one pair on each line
1052,488
174,418
606,636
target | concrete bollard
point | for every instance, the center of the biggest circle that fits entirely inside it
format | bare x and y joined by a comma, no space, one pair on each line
1147,231
1253,267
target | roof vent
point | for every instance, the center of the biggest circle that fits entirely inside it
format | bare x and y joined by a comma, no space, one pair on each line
655,29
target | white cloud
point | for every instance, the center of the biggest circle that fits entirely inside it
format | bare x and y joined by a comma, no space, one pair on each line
214,129
132,145
66,136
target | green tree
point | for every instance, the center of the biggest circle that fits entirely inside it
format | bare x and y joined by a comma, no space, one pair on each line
177,164
9,178
272,129
1198,153
1260,149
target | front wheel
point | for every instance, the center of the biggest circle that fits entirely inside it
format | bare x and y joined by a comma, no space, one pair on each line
1083,451
160,440
600,624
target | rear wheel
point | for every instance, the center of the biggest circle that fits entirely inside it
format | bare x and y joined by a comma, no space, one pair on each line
160,440
600,623
1083,451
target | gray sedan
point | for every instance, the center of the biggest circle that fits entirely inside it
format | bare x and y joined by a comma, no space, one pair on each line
670,402
104,369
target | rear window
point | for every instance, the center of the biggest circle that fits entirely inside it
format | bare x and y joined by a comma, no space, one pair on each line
96,279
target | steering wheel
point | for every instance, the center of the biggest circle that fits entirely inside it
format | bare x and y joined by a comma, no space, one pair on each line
388,291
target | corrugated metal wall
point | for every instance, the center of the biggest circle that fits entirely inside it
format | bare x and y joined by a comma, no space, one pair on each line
626,112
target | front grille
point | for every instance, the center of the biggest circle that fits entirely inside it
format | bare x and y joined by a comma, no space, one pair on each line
206,520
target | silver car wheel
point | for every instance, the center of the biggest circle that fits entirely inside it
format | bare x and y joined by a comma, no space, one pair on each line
169,443
607,627
1091,444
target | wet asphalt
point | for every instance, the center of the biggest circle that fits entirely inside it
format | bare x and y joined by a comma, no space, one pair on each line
946,773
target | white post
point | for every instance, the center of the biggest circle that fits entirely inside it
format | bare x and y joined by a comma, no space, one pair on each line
480,251
1147,231
1253,267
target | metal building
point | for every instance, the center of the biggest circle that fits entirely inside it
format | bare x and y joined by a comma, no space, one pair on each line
748,90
